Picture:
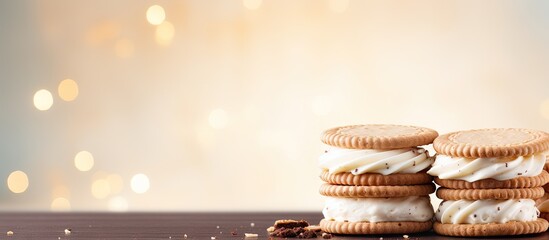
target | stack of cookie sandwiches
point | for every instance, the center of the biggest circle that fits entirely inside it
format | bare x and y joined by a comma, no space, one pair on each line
376,180
543,203
489,179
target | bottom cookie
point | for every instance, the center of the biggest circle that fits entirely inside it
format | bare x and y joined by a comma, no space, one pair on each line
491,229
362,228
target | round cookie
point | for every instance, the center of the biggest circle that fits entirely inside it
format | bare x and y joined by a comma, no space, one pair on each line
494,142
355,228
491,229
376,179
478,194
521,182
376,191
378,136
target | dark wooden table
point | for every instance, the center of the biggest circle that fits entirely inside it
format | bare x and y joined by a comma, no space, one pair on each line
161,226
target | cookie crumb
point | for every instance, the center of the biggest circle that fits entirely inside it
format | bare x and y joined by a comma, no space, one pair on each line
68,231
234,233
326,235
217,227
251,235
185,236
9,233
212,238
271,229
405,236
252,224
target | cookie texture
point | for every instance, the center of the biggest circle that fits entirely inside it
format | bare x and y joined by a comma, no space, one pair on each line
376,179
376,191
521,182
494,142
477,194
378,136
491,229
359,228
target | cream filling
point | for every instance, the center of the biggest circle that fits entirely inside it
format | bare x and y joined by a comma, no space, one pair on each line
467,169
359,161
414,208
486,211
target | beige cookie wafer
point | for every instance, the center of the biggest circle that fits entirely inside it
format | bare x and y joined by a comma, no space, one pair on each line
494,142
520,182
378,136
376,179
477,194
360,228
376,191
491,229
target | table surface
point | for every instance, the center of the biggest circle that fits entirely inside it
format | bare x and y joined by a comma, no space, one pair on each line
93,225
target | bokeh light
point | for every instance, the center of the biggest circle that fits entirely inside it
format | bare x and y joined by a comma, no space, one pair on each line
43,100
252,4
83,161
218,118
124,48
164,33
338,6
18,182
60,204
140,183
118,204
68,90
100,188
544,109
156,15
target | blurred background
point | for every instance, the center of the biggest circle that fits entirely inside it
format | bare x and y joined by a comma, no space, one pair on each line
218,105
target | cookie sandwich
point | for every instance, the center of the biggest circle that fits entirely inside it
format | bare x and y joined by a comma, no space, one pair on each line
543,203
376,180
489,180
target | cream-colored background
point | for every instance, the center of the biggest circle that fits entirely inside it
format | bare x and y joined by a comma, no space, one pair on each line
222,109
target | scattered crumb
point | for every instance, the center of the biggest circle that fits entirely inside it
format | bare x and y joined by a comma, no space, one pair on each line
405,236
252,224
217,227
326,235
58,237
251,235
170,237
185,236
234,233
9,233
307,234
380,238
213,238
68,231
271,229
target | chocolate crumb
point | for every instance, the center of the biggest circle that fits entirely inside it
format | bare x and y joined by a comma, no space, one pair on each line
288,223
499,209
506,165
475,215
326,235
307,234
519,174
234,233
414,164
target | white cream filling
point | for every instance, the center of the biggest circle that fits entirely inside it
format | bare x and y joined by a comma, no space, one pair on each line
359,161
467,169
414,208
486,211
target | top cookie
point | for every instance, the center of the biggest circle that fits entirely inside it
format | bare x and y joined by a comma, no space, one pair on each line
378,136
494,142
